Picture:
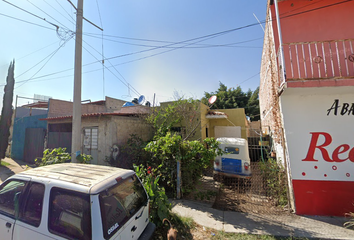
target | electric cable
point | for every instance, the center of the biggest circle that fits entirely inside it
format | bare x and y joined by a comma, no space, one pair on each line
49,58
125,83
46,14
197,45
72,18
31,13
21,20
59,12
102,53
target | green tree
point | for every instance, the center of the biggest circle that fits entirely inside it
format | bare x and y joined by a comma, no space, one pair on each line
228,98
6,112
168,147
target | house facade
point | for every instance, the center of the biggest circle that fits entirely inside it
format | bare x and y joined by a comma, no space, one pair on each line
105,125
28,132
307,101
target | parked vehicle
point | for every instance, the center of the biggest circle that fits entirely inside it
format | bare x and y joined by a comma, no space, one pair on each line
235,163
74,201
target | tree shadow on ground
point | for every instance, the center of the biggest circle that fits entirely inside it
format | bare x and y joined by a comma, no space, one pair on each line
287,225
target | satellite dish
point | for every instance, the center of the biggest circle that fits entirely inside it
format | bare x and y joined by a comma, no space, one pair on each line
128,104
212,99
141,99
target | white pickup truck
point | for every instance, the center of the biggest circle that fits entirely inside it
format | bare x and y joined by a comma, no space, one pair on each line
74,201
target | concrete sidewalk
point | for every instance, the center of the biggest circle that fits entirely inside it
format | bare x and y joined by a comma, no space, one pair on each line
276,225
14,167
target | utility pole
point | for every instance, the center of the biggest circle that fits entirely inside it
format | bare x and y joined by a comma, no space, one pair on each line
76,122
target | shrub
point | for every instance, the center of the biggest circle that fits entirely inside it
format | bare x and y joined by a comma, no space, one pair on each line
59,155
159,205
195,157
275,180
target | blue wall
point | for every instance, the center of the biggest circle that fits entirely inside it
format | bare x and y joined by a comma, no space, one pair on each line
19,133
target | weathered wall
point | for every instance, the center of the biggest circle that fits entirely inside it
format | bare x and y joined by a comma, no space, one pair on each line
19,133
268,88
59,108
236,117
116,130
113,104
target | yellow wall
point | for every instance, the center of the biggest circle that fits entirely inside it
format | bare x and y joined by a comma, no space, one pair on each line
236,117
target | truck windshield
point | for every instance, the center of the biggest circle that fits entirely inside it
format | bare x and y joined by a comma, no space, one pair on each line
119,203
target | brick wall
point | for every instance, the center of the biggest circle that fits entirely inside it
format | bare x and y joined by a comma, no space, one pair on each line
59,108
113,104
268,90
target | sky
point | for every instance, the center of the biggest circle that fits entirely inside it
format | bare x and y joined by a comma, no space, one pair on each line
153,48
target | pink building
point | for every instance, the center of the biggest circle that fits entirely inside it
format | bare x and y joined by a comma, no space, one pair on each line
307,100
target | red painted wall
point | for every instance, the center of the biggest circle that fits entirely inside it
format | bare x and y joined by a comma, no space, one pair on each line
327,198
304,20
316,21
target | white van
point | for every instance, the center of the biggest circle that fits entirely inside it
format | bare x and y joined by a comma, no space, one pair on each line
74,201
235,162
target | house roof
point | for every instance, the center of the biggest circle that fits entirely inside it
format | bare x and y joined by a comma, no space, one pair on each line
216,114
39,104
92,115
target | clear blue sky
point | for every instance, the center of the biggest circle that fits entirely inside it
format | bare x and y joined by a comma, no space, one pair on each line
146,42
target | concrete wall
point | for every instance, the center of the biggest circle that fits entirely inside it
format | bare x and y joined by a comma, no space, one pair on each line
116,130
113,105
236,117
19,133
59,108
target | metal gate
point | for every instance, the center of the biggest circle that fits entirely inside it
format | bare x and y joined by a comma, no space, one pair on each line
34,144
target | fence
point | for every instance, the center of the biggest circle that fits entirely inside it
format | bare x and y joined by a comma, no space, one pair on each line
319,59
261,193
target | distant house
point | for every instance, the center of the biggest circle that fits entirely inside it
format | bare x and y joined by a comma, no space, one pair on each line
28,134
105,125
212,123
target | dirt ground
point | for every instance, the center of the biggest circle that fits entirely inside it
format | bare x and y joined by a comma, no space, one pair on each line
234,197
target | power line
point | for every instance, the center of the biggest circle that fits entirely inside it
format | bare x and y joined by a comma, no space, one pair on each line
73,22
249,78
246,26
102,53
59,12
46,14
31,13
50,57
112,72
197,45
25,21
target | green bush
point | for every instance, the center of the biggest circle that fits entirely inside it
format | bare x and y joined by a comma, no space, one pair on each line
59,155
159,205
275,180
195,157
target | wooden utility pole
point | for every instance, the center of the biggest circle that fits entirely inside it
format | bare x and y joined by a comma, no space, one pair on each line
76,122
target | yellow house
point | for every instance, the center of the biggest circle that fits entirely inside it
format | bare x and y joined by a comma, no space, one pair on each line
212,123
223,122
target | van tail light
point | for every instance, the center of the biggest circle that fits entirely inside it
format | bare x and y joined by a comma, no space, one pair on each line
217,162
246,166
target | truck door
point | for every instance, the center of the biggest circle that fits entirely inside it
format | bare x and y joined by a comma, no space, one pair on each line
30,216
10,199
